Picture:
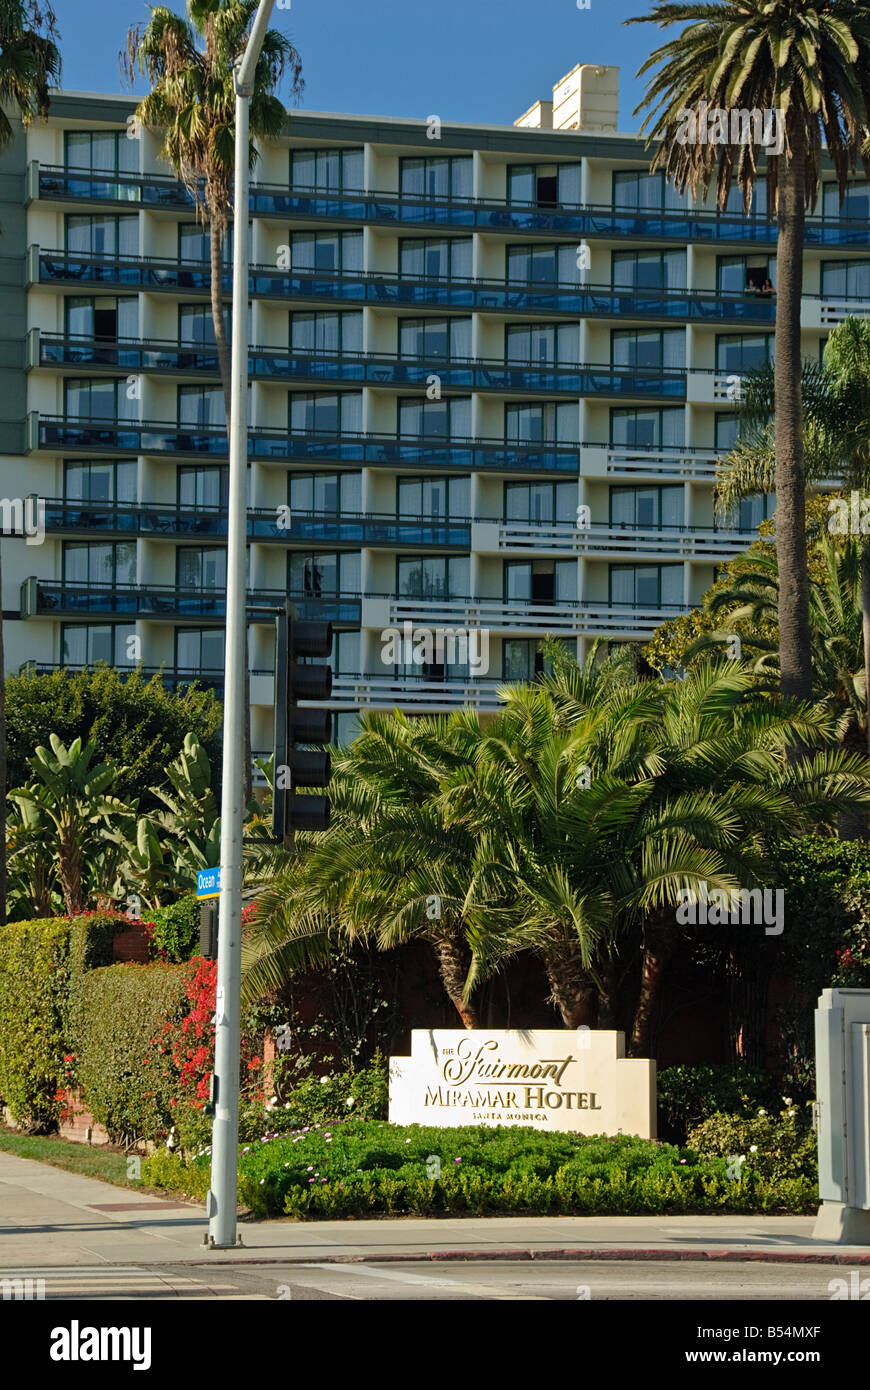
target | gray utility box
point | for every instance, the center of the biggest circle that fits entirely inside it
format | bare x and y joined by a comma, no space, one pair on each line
843,1090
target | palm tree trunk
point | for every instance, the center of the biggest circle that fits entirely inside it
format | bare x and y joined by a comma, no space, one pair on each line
453,964
796,679
2,766
658,947
572,989
217,237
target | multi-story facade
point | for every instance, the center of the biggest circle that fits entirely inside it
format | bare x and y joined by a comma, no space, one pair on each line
491,369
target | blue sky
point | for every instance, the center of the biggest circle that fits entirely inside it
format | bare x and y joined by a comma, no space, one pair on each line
464,60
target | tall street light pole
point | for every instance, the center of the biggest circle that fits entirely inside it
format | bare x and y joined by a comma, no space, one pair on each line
223,1197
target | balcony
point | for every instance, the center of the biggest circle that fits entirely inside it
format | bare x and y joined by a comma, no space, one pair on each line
640,462
76,599
99,187
113,436
157,520
75,269
72,353
623,622
410,693
604,542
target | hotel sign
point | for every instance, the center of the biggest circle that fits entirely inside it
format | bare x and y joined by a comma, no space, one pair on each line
578,1081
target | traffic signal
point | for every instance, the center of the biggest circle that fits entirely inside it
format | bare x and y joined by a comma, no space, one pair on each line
297,765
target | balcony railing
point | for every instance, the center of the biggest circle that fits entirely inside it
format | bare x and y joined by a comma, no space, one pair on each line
575,618
405,451
78,598
270,364
682,542
362,287
154,520
151,191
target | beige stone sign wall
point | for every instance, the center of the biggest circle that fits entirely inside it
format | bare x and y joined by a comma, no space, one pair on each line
556,1079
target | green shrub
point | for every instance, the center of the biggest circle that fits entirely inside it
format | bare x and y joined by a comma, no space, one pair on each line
352,1168
176,928
778,1148
42,964
121,1011
687,1095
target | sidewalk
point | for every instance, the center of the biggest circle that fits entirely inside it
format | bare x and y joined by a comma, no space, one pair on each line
49,1217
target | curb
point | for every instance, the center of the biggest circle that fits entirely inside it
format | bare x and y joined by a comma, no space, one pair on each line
669,1253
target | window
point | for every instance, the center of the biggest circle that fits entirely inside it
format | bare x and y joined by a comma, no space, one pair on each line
540,581
437,340
326,332
202,405
543,344
646,506
194,243
196,325
321,574
648,429
846,279
444,419
202,487
199,649
649,270
84,644
751,511
426,258
330,412
99,562
522,659
345,654
647,586
432,576
638,189
542,265
542,423
434,499
856,204
543,502
326,169
727,430
98,400
345,727
106,320
98,481
544,185
758,205
201,567
333,493
745,274
648,348
439,177
109,150
326,250
743,352
102,235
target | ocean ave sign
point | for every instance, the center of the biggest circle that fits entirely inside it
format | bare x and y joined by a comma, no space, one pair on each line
555,1079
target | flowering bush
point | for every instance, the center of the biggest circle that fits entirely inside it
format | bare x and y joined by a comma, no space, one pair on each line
776,1147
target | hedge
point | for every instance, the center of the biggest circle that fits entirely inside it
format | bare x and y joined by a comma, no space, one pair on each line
175,928
121,1010
42,963
358,1169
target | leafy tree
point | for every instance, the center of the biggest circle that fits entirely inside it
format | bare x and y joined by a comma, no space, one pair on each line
811,63
136,722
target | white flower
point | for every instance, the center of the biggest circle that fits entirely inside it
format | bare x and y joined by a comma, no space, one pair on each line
323,1080
787,1100
792,1112
349,1102
762,1112
753,1148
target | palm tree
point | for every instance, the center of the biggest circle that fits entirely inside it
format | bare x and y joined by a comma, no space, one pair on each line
811,63
390,868
29,67
189,63
836,396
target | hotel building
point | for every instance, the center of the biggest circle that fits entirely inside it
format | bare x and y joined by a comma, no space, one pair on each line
491,369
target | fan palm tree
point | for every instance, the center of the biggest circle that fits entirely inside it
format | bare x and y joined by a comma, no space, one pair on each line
808,60
836,396
389,868
29,67
191,104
